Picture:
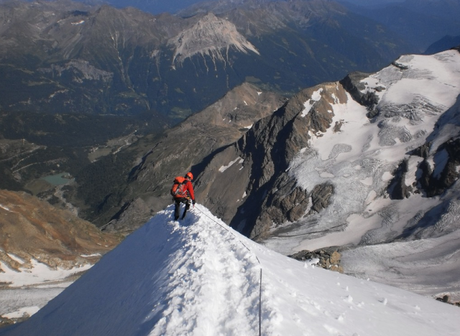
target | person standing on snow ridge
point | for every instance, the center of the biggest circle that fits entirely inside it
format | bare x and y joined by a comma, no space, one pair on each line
185,195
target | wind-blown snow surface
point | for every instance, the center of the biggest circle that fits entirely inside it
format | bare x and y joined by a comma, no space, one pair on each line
359,161
199,277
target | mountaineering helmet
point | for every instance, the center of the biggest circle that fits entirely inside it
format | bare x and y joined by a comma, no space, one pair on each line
189,175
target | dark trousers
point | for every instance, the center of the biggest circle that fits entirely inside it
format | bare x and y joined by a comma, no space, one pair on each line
177,202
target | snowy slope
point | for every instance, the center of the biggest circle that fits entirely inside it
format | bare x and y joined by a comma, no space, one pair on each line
198,277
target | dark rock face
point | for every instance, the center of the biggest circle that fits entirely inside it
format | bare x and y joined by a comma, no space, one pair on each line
447,299
200,138
320,196
291,207
436,182
262,194
438,169
283,189
352,84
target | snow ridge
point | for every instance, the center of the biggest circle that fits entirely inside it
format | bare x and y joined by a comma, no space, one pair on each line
199,277
198,271
160,281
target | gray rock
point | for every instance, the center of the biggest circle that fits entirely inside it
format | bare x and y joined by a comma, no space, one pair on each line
328,258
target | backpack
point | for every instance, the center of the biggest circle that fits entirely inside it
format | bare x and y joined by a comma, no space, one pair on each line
178,188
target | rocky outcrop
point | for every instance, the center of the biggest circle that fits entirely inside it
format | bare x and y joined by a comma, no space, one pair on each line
327,258
397,188
31,229
320,196
256,193
352,84
292,138
436,180
446,299
438,171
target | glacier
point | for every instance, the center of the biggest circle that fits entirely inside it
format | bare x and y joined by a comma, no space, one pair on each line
417,106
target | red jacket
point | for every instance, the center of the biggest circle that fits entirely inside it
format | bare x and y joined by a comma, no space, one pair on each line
189,189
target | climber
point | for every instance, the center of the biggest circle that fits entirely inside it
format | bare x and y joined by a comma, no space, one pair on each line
182,192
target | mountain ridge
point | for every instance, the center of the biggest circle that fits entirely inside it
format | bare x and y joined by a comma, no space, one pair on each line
198,276
359,163
75,58
165,156
263,170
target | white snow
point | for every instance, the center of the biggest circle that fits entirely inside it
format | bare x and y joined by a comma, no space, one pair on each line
411,174
91,255
23,311
309,103
15,302
421,266
38,274
199,277
5,208
224,168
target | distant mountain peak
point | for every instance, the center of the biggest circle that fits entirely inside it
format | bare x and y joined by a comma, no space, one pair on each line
210,36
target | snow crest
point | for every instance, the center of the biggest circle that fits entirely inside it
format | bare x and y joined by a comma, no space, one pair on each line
199,277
